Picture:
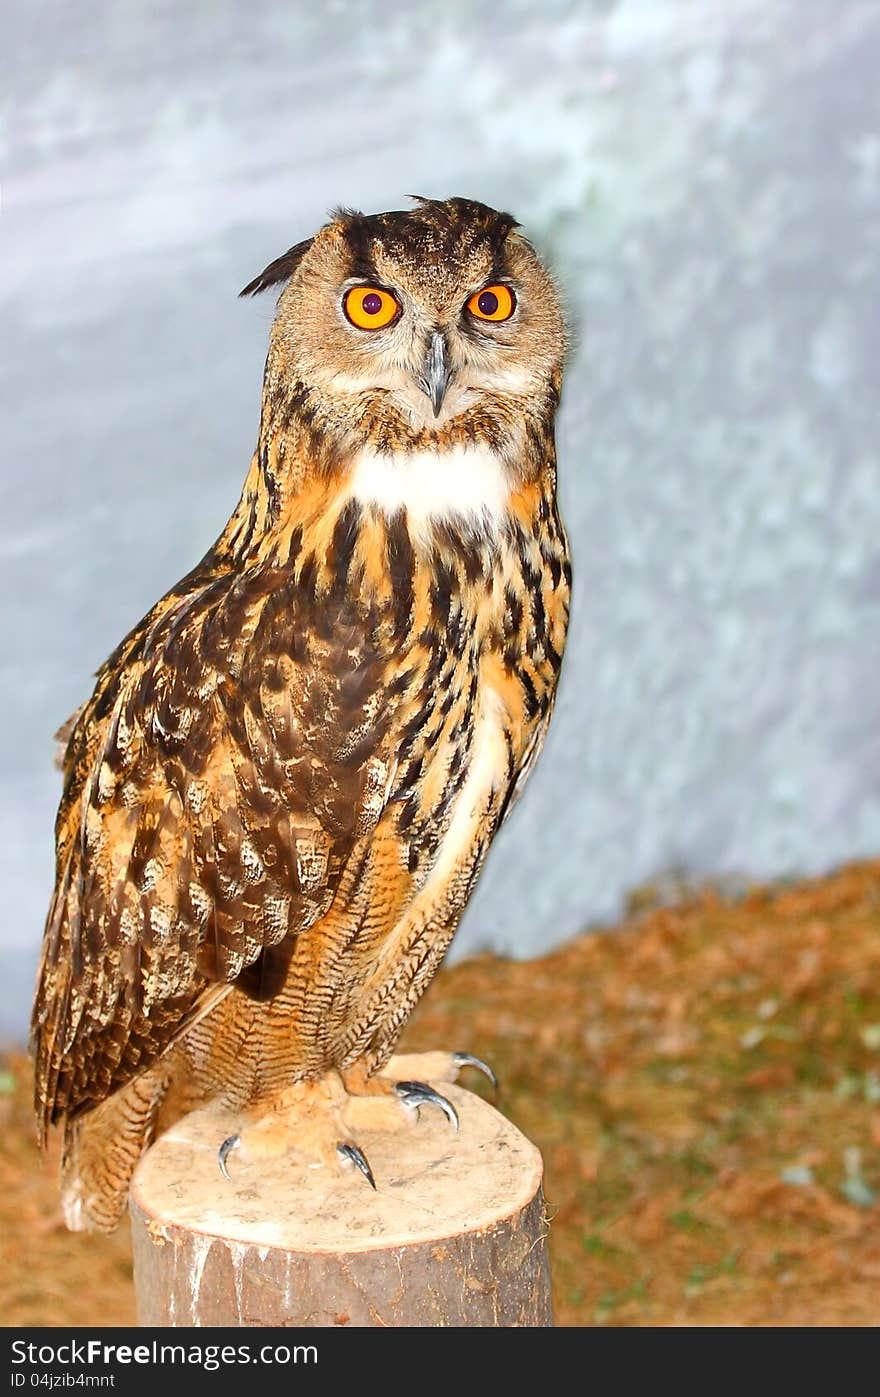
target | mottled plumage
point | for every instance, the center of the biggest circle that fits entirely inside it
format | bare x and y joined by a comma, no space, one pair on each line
279,796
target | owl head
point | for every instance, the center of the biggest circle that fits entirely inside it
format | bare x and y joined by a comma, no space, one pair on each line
414,329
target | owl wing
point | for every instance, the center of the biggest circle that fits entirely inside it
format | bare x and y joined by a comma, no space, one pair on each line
216,782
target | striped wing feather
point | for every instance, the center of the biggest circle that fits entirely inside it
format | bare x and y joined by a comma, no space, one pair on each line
216,781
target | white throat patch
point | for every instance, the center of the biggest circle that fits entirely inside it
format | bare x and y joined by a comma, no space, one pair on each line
468,482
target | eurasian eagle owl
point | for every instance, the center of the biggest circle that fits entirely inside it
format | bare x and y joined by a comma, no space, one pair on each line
280,794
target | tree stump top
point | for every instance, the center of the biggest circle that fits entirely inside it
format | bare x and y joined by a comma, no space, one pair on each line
431,1184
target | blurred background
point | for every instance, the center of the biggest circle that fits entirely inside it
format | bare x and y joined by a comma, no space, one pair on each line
705,181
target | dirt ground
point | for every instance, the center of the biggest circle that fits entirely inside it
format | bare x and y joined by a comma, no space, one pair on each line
704,1083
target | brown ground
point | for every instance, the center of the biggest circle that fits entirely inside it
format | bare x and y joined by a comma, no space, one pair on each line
705,1086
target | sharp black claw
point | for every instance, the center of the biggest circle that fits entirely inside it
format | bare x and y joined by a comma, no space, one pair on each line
420,1094
468,1060
358,1158
231,1143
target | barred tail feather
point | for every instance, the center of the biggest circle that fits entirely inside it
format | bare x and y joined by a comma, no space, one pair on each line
101,1150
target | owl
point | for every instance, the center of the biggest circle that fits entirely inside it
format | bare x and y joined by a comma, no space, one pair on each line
281,792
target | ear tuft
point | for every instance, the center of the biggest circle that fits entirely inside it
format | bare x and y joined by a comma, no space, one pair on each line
343,214
282,269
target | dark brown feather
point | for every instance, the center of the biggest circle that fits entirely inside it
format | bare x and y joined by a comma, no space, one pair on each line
217,841
282,269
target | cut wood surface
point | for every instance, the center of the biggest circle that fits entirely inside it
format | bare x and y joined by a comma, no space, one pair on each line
455,1233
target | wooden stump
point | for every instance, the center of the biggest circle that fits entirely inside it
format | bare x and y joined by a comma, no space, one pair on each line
454,1235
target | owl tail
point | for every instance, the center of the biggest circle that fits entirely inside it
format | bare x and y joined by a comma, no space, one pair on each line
101,1150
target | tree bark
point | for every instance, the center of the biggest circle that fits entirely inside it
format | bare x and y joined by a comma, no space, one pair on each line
455,1233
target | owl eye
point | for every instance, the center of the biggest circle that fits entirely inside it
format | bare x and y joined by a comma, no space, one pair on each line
370,308
493,303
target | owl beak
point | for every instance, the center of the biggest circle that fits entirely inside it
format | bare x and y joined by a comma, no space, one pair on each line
436,373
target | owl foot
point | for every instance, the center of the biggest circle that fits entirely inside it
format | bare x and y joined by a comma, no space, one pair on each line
317,1122
348,1152
434,1067
306,1121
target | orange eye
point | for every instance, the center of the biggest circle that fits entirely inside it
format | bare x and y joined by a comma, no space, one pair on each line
493,303
369,307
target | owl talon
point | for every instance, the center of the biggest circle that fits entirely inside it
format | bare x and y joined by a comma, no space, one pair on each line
420,1094
468,1060
231,1143
346,1150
